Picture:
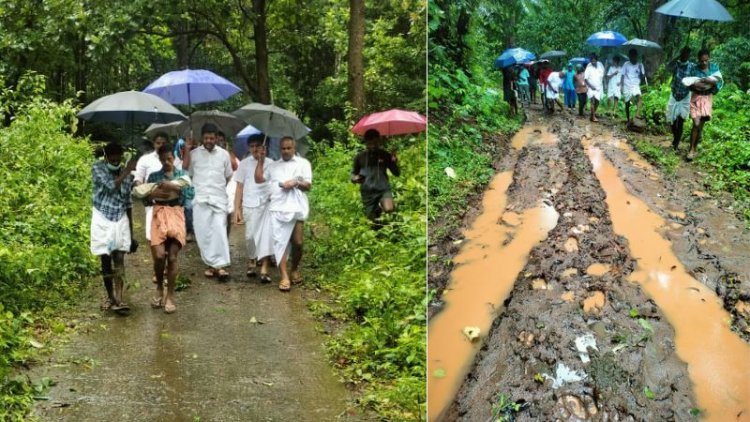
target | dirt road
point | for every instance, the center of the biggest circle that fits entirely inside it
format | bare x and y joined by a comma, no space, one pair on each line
237,351
601,290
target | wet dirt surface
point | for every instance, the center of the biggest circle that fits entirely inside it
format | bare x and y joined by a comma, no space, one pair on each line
577,306
235,351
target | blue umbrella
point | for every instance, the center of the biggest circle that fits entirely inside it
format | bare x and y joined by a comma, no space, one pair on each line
606,39
710,10
513,56
240,146
579,60
192,86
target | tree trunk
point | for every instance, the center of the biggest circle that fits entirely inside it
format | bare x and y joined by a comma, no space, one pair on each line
261,52
356,57
657,32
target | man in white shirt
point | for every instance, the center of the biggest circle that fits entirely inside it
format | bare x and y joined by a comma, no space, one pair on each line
552,90
147,164
632,74
251,202
289,179
594,78
210,169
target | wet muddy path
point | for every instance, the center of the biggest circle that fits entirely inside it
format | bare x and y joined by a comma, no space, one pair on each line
626,310
236,351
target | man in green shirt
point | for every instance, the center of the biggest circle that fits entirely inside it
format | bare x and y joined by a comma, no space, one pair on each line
369,171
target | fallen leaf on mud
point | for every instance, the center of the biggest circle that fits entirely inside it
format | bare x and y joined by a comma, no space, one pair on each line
646,325
472,333
450,172
582,345
253,320
36,344
648,393
700,194
439,373
564,375
458,242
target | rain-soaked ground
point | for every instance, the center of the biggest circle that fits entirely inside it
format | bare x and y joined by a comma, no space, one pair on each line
236,351
625,286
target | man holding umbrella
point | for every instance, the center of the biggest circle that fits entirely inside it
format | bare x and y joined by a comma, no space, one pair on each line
369,171
210,168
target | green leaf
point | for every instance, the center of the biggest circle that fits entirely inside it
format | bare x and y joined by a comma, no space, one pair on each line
439,373
648,393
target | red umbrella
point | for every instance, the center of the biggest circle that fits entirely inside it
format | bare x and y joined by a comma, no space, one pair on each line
391,122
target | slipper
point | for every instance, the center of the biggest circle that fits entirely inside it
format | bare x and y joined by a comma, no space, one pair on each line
265,278
222,274
285,285
296,277
251,272
169,308
156,302
121,307
210,273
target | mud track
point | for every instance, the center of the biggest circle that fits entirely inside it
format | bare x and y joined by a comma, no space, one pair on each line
578,284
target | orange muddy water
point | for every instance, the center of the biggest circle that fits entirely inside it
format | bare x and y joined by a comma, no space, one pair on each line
718,360
498,244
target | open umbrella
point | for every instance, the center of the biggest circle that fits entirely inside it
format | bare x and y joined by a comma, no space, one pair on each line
710,10
579,60
192,86
513,56
169,128
606,39
639,43
272,121
391,122
553,54
226,122
130,107
240,146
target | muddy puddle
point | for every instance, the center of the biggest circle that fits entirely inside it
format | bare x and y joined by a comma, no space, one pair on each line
236,351
492,253
718,360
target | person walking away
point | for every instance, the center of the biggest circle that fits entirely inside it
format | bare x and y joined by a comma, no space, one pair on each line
111,225
290,178
370,171
509,89
632,75
251,202
569,88
210,168
581,89
709,82
614,92
523,85
552,91
544,73
533,82
168,233
594,78
678,107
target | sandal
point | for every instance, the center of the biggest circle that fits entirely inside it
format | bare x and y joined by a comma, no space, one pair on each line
210,273
265,278
156,302
285,285
296,277
251,272
121,308
222,274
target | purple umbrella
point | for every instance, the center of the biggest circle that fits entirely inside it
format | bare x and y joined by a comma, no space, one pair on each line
606,39
240,147
192,86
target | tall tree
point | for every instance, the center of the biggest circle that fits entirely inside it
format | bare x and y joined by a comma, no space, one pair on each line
356,56
261,51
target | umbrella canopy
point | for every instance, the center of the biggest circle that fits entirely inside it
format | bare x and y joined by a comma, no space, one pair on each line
513,56
553,54
192,86
131,107
391,122
168,128
271,120
227,123
579,60
240,146
639,43
606,39
710,10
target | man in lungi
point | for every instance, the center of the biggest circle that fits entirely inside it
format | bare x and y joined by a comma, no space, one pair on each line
111,226
210,169
678,107
147,164
632,73
167,231
701,102
283,224
594,78
251,202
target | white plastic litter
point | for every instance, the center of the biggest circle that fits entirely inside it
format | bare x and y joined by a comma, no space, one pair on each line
564,375
450,172
583,343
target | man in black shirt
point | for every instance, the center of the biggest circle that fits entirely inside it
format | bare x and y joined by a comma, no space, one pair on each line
370,172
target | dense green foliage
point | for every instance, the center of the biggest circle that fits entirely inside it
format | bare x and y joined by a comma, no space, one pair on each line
377,277
45,201
724,151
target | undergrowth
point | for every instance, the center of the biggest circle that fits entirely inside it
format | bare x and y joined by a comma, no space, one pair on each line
375,276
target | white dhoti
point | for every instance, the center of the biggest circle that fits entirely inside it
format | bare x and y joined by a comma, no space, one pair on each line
678,108
231,192
253,222
595,94
630,92
108,236
210,226
275,233
149,216
613,89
